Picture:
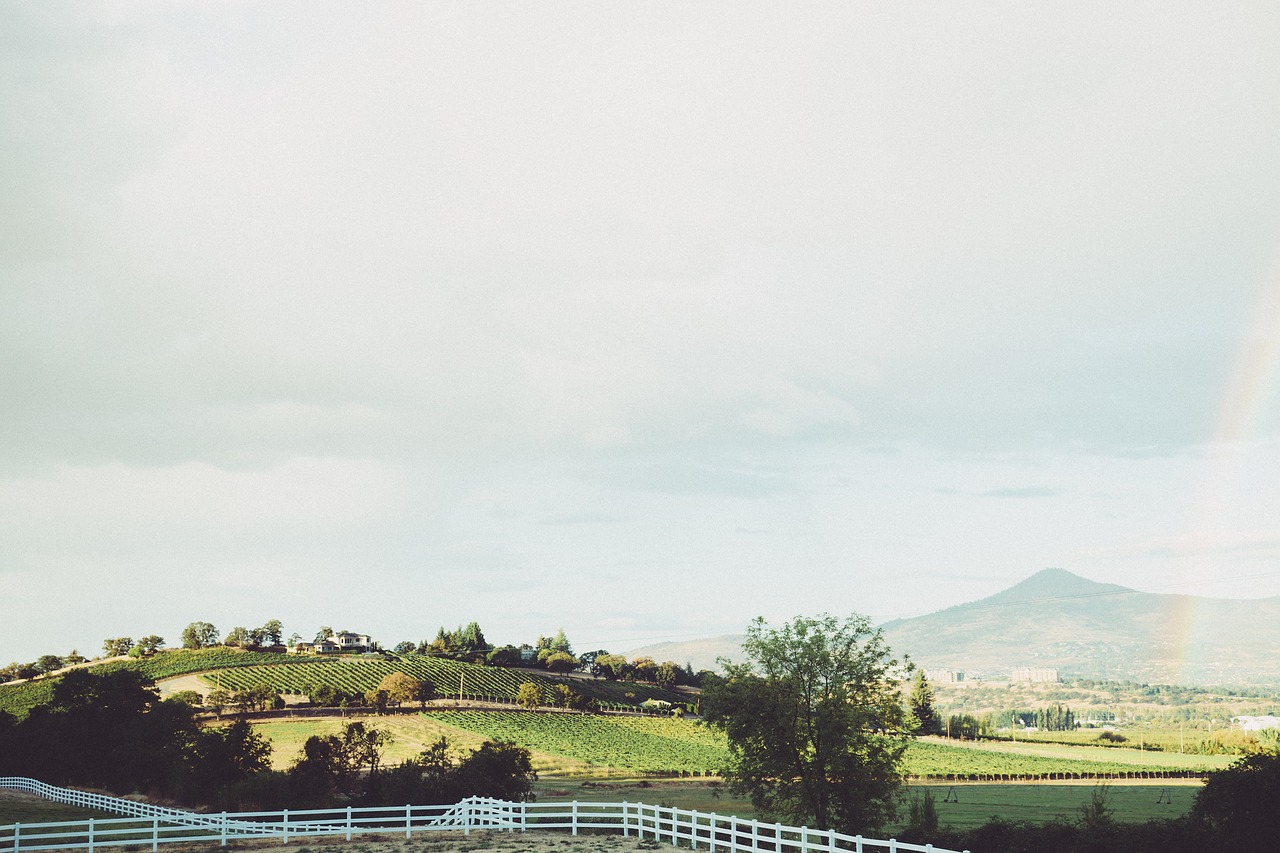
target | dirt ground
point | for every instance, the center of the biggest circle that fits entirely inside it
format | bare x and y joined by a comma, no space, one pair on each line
477,841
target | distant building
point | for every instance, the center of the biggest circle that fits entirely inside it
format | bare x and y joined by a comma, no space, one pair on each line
944,676
349,642
1256,724
1035,674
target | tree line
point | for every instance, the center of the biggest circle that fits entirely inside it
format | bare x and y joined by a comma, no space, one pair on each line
112,731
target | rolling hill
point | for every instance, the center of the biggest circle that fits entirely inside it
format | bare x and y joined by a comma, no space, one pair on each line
1083,628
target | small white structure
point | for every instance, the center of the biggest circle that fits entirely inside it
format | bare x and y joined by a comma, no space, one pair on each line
1035,674
1256,724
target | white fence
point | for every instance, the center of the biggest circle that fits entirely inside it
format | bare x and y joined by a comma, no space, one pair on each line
155,826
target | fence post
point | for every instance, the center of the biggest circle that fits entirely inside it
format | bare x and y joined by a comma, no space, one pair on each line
733,832
893,845
574,812
804,839
466,817
17,832
626,827
711,832
857,844
285,824
831,840
348,823
755,834
155,833
90,835
693,829
224,829
524,816
408,819
777,837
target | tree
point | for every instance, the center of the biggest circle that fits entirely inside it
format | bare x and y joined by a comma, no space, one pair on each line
404,647
529,696
561,662
814,722
921,717
401,687
324,633
239,636
117,646
48,663
199,635
74,657
272,633
1238,805
150,644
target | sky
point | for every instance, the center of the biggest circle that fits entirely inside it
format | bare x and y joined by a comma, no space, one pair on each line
639,320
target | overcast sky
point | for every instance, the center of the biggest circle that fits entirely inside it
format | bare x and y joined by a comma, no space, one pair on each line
638,319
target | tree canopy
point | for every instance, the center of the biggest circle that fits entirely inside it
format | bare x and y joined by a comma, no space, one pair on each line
814,722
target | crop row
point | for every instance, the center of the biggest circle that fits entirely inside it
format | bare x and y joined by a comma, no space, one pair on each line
18,699
925,758
449,677
641,744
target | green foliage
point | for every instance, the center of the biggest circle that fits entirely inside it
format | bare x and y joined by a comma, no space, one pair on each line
529,695
116,646
1239,804
921,717
814,722
199,635
450,678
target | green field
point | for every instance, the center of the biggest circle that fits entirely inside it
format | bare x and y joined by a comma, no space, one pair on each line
450,678
934,757
637,744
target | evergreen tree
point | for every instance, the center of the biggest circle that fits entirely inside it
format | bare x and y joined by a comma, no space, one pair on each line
920,703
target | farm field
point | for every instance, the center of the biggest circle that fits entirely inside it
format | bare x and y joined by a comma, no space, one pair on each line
450,678
18,699
938,757
636,744
410,735
975,804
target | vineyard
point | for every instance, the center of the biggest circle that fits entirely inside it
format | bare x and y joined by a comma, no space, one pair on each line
931,759
640,744
18,699
451,678
686,747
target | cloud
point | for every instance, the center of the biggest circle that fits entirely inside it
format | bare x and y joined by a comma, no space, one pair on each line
1021,492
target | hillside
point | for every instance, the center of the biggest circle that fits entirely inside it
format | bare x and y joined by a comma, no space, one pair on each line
1099,631
1085,629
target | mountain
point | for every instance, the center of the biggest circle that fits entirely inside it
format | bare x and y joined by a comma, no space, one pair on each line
1101,631
700,654
1083,628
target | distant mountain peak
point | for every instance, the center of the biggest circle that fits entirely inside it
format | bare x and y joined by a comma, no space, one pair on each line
1055,583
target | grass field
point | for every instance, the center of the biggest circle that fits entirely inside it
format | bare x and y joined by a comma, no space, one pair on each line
25,808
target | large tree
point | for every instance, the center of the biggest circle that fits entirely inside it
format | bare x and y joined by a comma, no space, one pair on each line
199,635
814,722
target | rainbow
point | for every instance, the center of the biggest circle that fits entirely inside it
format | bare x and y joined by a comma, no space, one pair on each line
1227,456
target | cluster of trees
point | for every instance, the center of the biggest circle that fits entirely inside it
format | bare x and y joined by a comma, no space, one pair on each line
112,731
347,768
42,665
554,653
530,695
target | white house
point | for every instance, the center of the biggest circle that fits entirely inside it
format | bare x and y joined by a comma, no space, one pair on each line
349,642
1256,724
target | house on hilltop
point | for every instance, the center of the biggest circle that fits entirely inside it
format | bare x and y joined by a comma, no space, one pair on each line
344,642
349,642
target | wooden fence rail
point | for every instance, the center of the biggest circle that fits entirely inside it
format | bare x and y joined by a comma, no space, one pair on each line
154,825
